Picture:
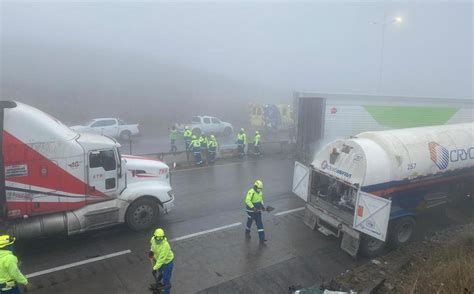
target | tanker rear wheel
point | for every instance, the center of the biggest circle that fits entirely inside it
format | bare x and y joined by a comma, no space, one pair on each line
401,231
142,214
370,247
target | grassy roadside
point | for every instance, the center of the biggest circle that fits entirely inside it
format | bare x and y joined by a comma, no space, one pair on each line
445,268
442,262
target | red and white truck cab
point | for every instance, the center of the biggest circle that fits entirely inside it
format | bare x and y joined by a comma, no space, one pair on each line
56,180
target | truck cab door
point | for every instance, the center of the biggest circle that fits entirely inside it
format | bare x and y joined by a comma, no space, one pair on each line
372,214
207,127
301,180
97,127
110,128
103,171
217,126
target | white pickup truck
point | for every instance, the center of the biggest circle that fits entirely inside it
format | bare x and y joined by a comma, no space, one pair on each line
112,127
207,125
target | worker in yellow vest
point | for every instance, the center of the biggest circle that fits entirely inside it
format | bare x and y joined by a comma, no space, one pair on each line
256,143
241,142
10,275
254,207
162,259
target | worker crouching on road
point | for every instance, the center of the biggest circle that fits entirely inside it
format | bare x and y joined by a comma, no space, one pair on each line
241,141
254,206
162,259
195,147
10,275
212,149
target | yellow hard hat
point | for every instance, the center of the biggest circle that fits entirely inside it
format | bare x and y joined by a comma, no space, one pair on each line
159,233
194,137
258,184
242,130
257,132
213,137
6,240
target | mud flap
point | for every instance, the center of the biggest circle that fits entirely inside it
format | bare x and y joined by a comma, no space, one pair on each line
350,244
372,215
310,219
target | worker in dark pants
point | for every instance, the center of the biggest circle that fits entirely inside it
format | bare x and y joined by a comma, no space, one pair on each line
162,259
10,275
204,151
254,206
173,136
241,141
212,149
195,147
187,137
256,143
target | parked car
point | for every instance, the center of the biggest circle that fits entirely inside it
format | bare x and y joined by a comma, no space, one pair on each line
208,125
112,127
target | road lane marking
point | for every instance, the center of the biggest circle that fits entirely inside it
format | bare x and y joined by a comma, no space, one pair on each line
205,232
74,264
289,211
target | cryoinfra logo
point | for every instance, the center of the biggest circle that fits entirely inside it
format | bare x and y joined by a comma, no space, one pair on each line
439,155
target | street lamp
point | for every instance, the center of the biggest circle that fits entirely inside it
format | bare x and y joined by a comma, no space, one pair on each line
385,23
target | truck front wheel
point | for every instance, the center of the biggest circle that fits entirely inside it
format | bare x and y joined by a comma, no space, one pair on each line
370,247
142,214
402,231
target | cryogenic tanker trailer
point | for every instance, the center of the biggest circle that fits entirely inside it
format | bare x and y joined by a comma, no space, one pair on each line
54,180
370,188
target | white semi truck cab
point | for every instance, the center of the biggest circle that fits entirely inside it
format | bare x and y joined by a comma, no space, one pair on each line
56,180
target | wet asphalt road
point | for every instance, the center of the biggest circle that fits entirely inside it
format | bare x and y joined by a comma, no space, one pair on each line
205,199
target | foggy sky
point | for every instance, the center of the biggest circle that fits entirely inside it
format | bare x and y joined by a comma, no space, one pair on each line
234,50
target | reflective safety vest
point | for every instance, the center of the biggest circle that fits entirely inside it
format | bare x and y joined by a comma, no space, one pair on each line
253,197
203,141
241,138
212,145
195,145
173,134
161,252
9,272
188,134
257,140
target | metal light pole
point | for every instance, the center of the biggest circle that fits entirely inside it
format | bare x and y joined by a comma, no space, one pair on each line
385,23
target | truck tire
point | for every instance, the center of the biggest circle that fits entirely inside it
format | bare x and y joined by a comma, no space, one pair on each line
227,132
142,214
125,135
370,247
401,231
197,132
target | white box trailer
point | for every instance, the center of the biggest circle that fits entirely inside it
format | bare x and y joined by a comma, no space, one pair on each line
370,188
322,117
